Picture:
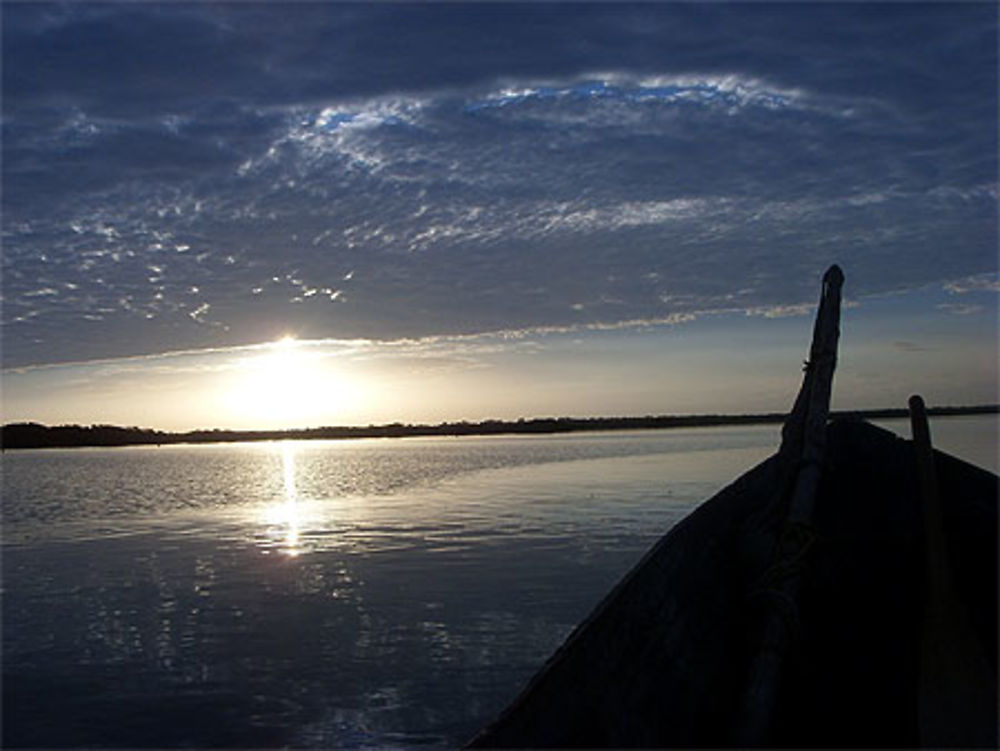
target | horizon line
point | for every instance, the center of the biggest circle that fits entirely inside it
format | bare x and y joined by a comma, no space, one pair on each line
490,426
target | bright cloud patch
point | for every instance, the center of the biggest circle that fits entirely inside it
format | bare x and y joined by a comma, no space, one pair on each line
731,92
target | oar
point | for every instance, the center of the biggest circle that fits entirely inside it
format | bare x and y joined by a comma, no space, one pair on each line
957,695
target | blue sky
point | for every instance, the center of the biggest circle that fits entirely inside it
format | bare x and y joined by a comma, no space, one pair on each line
609,195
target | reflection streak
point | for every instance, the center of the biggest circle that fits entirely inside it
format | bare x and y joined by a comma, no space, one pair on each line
287,514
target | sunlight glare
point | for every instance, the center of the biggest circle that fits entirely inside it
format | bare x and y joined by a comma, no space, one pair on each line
286,516
289,384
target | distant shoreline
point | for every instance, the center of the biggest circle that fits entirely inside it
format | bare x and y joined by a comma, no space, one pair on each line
29,435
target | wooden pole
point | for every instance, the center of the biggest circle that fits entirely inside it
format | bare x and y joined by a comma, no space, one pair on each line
957,694
802,448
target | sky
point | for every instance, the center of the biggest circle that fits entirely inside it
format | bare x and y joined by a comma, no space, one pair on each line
278,215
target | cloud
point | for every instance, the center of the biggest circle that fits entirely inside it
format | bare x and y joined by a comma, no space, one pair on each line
960,310
978,283
908,346
384,172
781,311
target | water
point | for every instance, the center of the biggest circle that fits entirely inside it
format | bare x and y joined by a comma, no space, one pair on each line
369,593
973,438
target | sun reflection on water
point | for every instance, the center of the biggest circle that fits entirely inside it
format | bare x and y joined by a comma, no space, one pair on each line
286,516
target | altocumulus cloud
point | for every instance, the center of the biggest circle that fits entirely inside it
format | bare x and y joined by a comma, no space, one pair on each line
187,176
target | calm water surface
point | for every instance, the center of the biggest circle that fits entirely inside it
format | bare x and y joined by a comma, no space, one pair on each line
322,594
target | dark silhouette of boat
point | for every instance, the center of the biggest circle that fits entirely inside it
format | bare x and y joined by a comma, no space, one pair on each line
843,593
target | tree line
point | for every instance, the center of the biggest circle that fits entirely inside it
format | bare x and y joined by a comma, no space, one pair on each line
23,435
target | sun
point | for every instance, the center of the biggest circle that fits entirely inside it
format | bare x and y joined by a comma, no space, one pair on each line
288,383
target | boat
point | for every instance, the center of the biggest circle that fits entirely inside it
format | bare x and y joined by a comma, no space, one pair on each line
842,593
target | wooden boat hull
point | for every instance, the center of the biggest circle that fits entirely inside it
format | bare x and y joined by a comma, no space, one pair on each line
664,660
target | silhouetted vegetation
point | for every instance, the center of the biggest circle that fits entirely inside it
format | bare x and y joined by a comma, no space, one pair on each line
25,435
